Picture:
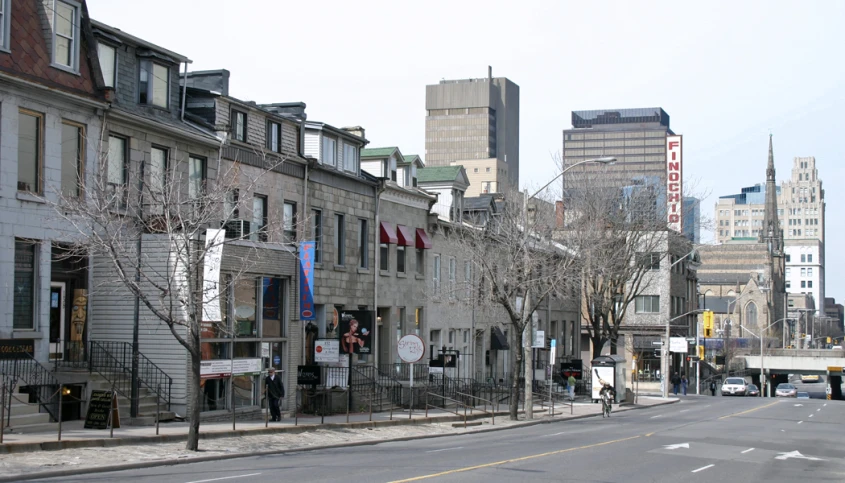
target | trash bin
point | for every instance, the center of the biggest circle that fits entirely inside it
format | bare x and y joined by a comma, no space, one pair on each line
610,369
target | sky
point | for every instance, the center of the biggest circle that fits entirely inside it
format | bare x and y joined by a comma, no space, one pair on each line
727,73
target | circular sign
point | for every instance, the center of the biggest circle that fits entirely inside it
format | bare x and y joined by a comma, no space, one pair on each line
318,349
411,348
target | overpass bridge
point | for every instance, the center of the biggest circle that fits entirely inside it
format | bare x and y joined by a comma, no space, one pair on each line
795,361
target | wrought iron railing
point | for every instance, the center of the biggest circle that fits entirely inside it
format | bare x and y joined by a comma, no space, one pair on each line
42,384
402,371
113,361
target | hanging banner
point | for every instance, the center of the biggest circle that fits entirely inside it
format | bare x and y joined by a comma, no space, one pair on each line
211,275
306,281
674,182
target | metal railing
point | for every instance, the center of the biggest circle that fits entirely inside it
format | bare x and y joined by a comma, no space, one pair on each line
41,382
113,361
458,405
402,371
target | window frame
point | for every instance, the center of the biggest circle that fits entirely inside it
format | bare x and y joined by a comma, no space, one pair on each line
259,233
420,259
289,232
80,158
340,239
73,41
640,304
34,245
113,81
435,277
355,161
164,179
363,244
274,127
238,134
5,24
198,188
401,261
39,155
317,232
323,141
124,167
384,257
148,91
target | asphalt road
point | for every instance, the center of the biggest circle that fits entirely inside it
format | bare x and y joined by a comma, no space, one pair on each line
699,439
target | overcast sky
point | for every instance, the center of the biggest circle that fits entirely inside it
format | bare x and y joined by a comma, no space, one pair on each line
728,73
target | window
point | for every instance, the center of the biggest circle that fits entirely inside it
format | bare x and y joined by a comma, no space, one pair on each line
803,284
329,155
196,177
648,304
384,257
474,170
289,221
436,275
487,169
72,143
788,258
810,258
788,284
452,273
116,169
787,272
158,174
154,86
339,240
30,150
5,23
420,261
108,62
803,258
66,34
468,278
238,125
809,284
259,218
803,272
650,261
317,232
810,272
24,289
273,304
274,137
350,158
400,259
363,244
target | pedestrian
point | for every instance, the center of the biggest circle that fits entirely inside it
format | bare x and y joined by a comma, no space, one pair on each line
676,382
684,382
713,388
571,382
275,393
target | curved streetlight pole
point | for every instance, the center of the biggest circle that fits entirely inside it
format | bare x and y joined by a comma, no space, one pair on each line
528,330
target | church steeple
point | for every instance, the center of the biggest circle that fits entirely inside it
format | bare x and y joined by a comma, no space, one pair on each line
771,232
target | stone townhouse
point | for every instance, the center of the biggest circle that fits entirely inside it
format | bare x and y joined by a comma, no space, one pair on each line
52,96
263,216
145,132
404,243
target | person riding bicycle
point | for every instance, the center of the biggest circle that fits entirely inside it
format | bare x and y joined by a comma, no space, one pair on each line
607,389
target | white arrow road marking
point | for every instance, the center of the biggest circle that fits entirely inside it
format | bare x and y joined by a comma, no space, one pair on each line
443,449
555,434
825,404
811,415
798,405
748,450
225,478
703,468
685,410
658,416
676,446
819,409
799,422
796,454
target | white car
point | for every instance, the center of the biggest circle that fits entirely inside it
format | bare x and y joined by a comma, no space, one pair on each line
734,386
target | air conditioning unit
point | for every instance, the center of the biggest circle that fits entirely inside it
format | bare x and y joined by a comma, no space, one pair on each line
236,228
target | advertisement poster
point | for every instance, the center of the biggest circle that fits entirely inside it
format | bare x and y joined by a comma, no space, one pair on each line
306,281
356,332
600,373
326,350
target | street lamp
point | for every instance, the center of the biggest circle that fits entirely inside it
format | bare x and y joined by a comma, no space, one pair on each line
528,363
665,353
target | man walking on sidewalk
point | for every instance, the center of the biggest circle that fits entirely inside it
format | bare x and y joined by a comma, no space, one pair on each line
571,382
676,382
275,393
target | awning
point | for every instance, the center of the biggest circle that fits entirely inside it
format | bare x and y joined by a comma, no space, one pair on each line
498,341
387,234
406,236
423,241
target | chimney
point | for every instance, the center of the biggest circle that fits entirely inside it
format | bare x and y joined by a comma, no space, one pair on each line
355,130
559,215
489,73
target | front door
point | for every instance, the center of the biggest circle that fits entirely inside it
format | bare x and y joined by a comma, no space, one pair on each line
57,319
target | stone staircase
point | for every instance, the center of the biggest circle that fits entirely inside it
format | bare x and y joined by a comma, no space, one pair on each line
146,404
25,417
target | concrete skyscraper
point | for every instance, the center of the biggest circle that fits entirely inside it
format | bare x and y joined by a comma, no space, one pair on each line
475,123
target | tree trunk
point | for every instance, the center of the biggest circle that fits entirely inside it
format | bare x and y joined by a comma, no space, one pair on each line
598,344
194,403
514,399
614,340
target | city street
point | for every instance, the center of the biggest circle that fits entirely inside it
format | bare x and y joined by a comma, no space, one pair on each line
699,439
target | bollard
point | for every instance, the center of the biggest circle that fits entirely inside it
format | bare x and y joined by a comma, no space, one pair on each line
158,407
2,406
111,414
348,396
60,412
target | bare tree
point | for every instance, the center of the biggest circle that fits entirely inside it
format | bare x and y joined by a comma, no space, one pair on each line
517,266
171,210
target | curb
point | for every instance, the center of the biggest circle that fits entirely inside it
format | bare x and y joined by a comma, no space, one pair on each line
202,459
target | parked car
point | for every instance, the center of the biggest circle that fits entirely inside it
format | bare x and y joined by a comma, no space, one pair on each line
809,378
752,391
803,395
734,386
786,390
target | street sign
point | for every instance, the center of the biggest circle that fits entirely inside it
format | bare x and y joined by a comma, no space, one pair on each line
690,339
539,340
554,352
677,344
411,348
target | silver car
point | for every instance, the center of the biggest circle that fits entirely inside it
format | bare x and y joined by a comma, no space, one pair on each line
785,389
734,386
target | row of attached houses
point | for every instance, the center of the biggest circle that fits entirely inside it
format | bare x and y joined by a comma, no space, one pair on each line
80,98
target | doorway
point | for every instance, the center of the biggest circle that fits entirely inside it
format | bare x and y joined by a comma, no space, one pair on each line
58,311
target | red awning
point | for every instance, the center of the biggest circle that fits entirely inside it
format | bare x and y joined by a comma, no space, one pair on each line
423,241
406,236
387,234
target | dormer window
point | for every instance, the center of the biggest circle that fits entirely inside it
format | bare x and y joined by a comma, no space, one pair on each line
5,23
238,122
65,34
154,85
350,158
108,56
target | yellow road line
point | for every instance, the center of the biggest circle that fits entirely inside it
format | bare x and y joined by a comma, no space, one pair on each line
513,460
749,411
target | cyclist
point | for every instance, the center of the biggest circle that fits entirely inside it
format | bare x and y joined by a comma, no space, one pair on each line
608,395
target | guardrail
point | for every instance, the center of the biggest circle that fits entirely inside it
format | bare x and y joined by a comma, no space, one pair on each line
457,403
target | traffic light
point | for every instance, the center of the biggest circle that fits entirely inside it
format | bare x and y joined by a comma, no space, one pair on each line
828,340
708,323
701,352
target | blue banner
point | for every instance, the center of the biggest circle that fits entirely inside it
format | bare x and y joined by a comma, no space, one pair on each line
306,281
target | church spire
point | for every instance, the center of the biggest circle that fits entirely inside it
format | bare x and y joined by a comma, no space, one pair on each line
771,233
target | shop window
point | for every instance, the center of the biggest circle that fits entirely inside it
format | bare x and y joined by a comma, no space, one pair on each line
273,307
26,256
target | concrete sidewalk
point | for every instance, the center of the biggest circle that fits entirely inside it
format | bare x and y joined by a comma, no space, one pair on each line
91,451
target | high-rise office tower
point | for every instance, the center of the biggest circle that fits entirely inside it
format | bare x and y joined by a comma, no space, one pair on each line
475,123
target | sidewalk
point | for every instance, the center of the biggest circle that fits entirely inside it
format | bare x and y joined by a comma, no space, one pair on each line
22,456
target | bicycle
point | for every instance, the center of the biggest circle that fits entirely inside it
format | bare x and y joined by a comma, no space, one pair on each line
606,405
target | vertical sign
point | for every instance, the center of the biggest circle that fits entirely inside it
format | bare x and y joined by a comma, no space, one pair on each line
356,328
306,281
674,182
211,275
